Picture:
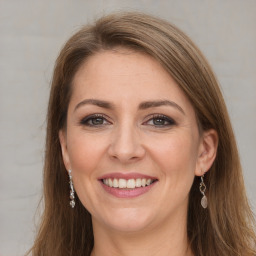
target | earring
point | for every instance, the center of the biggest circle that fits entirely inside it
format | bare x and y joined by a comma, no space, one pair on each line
202,189
72,191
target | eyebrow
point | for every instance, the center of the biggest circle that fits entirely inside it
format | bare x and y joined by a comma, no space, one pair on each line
99,103
143,105
153,104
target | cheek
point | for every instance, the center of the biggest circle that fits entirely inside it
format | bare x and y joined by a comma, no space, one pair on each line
176,156
178,163
85,152
176,149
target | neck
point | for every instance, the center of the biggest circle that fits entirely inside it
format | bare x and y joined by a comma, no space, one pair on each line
169,239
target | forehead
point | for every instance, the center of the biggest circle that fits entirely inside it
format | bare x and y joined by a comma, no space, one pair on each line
121,75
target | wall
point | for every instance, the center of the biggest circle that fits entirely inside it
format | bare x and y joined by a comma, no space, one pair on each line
31,34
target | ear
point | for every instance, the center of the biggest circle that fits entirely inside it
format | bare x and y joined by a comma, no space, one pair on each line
207,151
64,149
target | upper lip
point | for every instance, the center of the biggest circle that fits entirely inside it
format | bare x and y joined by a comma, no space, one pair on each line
126,176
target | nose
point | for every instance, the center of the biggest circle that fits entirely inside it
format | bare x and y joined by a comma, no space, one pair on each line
126,144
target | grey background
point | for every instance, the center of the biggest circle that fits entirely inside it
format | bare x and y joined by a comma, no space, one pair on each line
31,34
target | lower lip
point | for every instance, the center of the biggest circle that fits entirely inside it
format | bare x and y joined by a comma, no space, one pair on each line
127,193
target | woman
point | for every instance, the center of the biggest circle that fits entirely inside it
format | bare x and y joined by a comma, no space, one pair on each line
140,139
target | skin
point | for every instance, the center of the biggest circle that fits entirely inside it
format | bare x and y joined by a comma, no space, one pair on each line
131,139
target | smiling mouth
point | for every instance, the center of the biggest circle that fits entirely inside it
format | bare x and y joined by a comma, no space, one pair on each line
128,184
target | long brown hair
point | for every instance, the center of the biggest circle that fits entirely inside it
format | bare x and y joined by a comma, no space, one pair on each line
226,228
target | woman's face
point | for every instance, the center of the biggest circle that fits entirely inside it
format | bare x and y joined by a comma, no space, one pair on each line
132,142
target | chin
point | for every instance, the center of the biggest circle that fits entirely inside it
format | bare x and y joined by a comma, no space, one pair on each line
127,220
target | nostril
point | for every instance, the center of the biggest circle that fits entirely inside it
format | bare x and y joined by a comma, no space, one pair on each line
126,147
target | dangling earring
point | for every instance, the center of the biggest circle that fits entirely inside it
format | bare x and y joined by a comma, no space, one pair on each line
72,191
202,189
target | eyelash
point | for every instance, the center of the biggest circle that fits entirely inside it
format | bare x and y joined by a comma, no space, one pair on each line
87,121
166,121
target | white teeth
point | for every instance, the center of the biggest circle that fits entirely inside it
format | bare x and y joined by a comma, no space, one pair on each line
138,183
115,183
131,183
122,183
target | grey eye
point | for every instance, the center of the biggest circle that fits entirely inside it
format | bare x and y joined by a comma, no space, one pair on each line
97,121
94,120
160,121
